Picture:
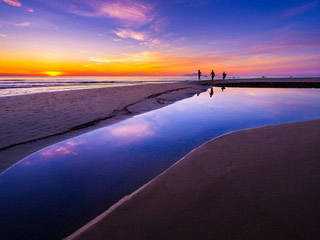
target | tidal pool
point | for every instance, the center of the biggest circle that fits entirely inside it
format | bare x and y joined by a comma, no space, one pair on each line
55,191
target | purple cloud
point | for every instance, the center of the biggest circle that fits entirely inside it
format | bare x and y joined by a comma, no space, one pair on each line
129,12
300,9
14,3
17,3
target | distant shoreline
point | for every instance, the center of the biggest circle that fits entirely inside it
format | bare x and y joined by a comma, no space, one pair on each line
29,85
270,83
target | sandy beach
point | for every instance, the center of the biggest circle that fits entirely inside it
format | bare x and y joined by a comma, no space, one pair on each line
147,120
32,122
254,184
232,187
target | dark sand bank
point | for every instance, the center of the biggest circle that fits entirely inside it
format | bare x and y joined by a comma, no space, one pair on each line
31,122
270,83
254,184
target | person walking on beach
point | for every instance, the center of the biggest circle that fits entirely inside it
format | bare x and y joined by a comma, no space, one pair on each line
199,75
212,75
224,75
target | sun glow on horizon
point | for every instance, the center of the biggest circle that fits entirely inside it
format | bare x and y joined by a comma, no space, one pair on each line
140,37
53,73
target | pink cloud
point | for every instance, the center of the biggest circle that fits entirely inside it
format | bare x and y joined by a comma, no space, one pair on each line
133,131
24,24
69,148
3,35
128,33
14,3
130,12
301,9
17,3
283,41
141,57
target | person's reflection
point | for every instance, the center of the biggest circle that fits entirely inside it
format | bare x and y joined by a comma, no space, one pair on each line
198,94
211,92
223,88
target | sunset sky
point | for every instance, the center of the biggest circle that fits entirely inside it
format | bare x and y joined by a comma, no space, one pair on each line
163,37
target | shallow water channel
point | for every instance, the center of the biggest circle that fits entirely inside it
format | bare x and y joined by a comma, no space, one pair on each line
55,191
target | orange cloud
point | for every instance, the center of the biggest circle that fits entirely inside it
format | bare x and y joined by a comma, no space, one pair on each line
131,58
46,60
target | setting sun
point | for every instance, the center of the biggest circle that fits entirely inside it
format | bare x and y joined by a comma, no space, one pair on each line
53,74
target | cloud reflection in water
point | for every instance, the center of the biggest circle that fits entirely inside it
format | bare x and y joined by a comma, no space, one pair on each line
134,130
67,148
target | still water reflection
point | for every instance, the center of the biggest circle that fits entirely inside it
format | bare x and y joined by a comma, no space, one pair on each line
53,192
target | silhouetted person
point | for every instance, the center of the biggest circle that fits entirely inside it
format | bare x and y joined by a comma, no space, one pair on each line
199,75
198,94
211,92
212,75
224,75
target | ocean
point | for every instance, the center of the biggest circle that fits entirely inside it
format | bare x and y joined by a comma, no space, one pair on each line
11,86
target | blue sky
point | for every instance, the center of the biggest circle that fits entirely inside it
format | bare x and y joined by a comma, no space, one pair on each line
106,37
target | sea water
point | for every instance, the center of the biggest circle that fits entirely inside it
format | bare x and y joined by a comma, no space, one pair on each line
10,86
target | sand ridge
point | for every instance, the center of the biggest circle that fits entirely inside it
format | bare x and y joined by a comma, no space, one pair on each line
254,184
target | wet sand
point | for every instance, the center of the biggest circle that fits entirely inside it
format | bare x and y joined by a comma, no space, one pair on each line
254,184
31,122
